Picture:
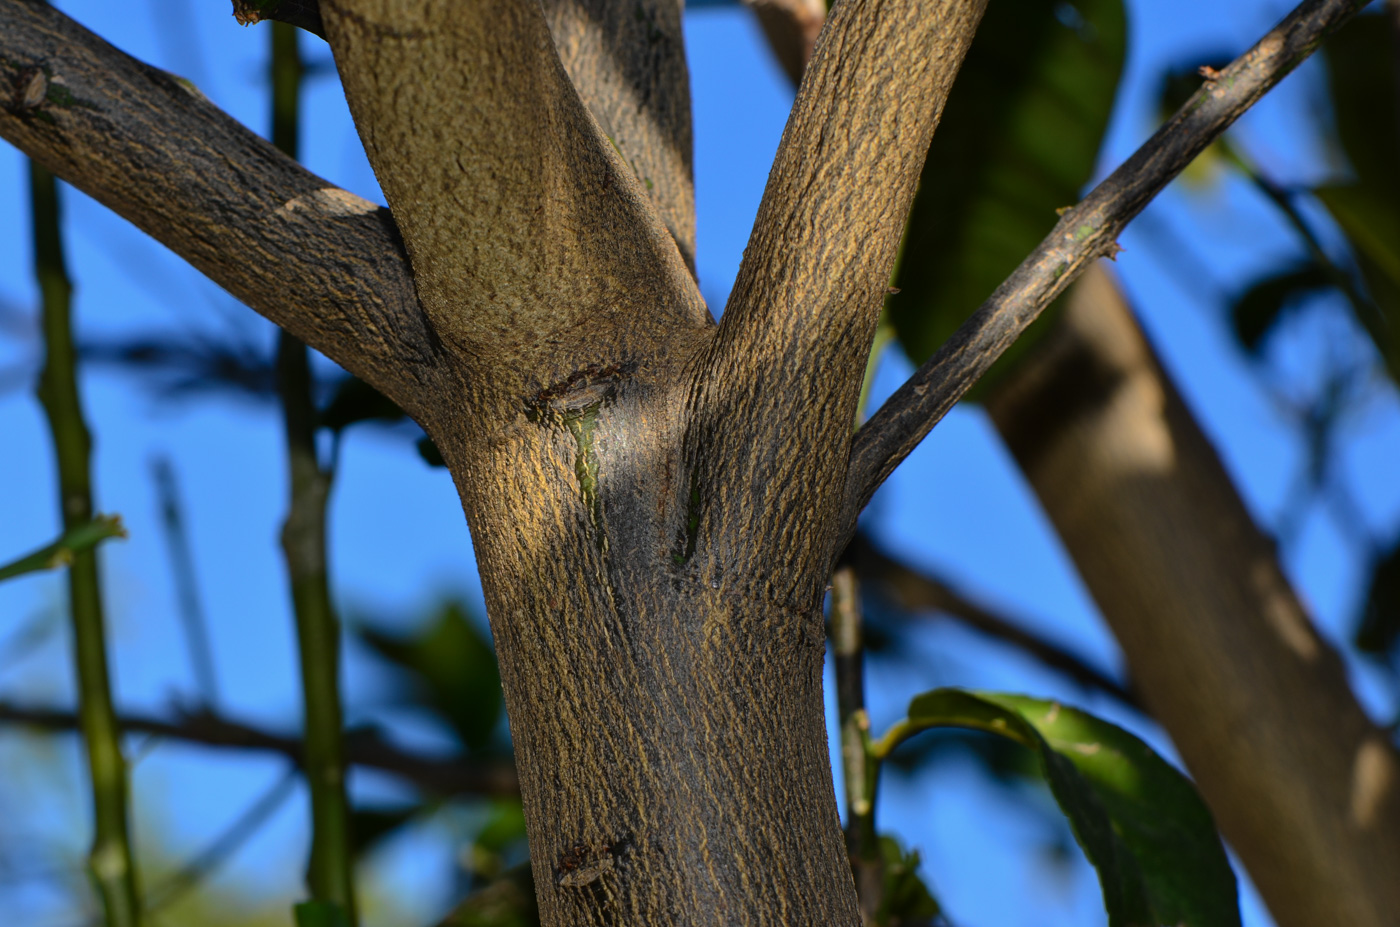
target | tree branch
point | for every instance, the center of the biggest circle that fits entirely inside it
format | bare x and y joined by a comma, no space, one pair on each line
1087,231
61,553
488,778
786,364
533,244
110,860
321,262
915,590
627,61
791,27
304,14
861,773
330,868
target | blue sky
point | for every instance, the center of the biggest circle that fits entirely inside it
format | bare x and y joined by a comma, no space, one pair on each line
399,542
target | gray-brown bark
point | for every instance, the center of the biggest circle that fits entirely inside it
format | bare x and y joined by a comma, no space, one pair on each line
606,440
655,500
322,263
627,61
1304,787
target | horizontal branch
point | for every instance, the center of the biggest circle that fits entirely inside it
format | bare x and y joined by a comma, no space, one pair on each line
322,263
1088,231
487,777
914,590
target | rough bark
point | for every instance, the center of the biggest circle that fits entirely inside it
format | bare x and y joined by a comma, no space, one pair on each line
627,61
656,618
321,262
655,500
1303,786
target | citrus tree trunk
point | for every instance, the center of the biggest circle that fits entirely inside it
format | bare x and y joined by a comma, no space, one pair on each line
656,500
1303,786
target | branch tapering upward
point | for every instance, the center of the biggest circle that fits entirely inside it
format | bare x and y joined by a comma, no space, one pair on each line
783,375
627,60
304,14
531,241
1088,231
320,262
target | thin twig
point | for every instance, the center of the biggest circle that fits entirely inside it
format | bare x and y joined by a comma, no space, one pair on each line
110,859
915,590
1088,231
330,873
225,844
483,777
61,552
861,773
177,543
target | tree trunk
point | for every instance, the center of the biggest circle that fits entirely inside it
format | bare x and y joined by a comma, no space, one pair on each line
667,717
1304,786
656,500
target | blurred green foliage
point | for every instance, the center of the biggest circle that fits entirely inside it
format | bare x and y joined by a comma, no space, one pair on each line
1139,821
1018,140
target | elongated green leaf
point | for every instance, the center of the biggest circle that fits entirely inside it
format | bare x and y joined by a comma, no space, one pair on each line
60,552
1361,62
1139,821
371,826
1017,141
905,899
1371,224
1261,306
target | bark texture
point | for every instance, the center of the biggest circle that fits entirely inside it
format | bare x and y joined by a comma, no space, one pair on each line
653,498
627,61
319,261
1303,786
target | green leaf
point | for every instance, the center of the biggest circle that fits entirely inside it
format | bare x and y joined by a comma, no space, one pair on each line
370,826
454,665
320,914
1018,140
1361,63
504,828
1372,227
905,898
430,453
61,552
1260,307
355,401
1380,617
1138,820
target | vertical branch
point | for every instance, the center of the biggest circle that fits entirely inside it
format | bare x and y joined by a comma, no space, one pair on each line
201,652
111,862
329,874
860,770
